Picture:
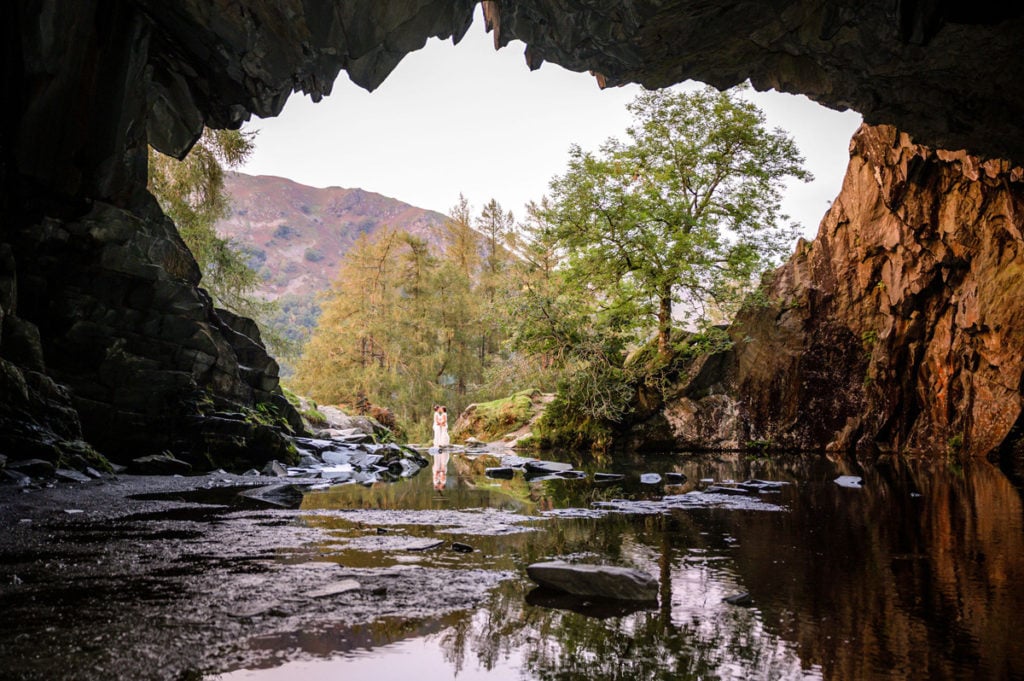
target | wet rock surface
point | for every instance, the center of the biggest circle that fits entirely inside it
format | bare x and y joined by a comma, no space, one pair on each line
139,553
165,577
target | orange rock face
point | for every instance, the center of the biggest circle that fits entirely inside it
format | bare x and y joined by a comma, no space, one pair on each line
901,326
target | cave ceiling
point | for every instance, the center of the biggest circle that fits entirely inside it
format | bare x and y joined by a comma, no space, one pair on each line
948,73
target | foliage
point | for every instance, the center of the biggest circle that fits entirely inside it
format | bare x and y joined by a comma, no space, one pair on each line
681,217
665,231
409,327
191,193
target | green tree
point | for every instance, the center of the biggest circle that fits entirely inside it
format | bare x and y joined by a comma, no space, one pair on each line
191,193
682,214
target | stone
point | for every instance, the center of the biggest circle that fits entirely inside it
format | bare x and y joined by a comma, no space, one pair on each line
597,581
850,481
499,472
275,469
742,599
720,489
425,545
459,547
15,477
71,475
608,477
650,478
546,467
337,458
36,468
675,478
251,473
159,464
275,496
336,588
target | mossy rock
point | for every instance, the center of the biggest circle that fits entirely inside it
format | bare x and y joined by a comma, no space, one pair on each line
489,421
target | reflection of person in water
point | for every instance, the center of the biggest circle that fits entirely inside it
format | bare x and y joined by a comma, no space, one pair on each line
440,470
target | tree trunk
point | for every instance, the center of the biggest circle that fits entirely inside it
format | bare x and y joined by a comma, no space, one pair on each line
665,325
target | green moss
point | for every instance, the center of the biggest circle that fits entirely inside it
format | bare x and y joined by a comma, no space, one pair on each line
314,416
491,420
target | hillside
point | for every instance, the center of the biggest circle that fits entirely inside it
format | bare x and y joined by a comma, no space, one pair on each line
296,236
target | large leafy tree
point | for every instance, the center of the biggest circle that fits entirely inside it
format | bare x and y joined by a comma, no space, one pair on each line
680,216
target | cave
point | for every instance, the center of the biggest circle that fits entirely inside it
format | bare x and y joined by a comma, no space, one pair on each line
108,343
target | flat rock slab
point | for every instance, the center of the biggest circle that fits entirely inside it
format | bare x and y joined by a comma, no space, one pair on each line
335,588
595,581
547,467
853,481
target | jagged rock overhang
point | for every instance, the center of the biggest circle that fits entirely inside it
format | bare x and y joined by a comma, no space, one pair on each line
948,75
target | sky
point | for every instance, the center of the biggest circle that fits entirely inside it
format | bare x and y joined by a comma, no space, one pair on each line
470,120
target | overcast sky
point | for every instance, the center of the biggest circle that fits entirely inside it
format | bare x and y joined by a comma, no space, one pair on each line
468,119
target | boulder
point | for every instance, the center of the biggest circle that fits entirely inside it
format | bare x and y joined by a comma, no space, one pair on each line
36,468
596,581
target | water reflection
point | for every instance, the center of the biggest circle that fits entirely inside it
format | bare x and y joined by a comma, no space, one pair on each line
916,574
440,470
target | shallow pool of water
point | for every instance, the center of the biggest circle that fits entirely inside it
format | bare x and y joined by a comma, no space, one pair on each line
916,573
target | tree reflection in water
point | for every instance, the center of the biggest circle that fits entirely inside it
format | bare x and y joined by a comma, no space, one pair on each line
916,575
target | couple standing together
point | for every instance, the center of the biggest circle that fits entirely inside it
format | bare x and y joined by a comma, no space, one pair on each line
441,426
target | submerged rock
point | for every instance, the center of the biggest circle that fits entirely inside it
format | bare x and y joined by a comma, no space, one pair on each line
721,489
598,581
741,599
607,477
501,473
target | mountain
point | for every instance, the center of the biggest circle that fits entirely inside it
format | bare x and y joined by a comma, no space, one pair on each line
296,236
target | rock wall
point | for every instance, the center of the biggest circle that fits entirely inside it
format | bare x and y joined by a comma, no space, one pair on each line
107,343
899,328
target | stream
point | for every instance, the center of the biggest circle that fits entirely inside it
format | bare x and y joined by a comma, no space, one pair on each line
914,571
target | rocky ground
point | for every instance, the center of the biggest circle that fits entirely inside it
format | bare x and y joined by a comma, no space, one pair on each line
169,577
